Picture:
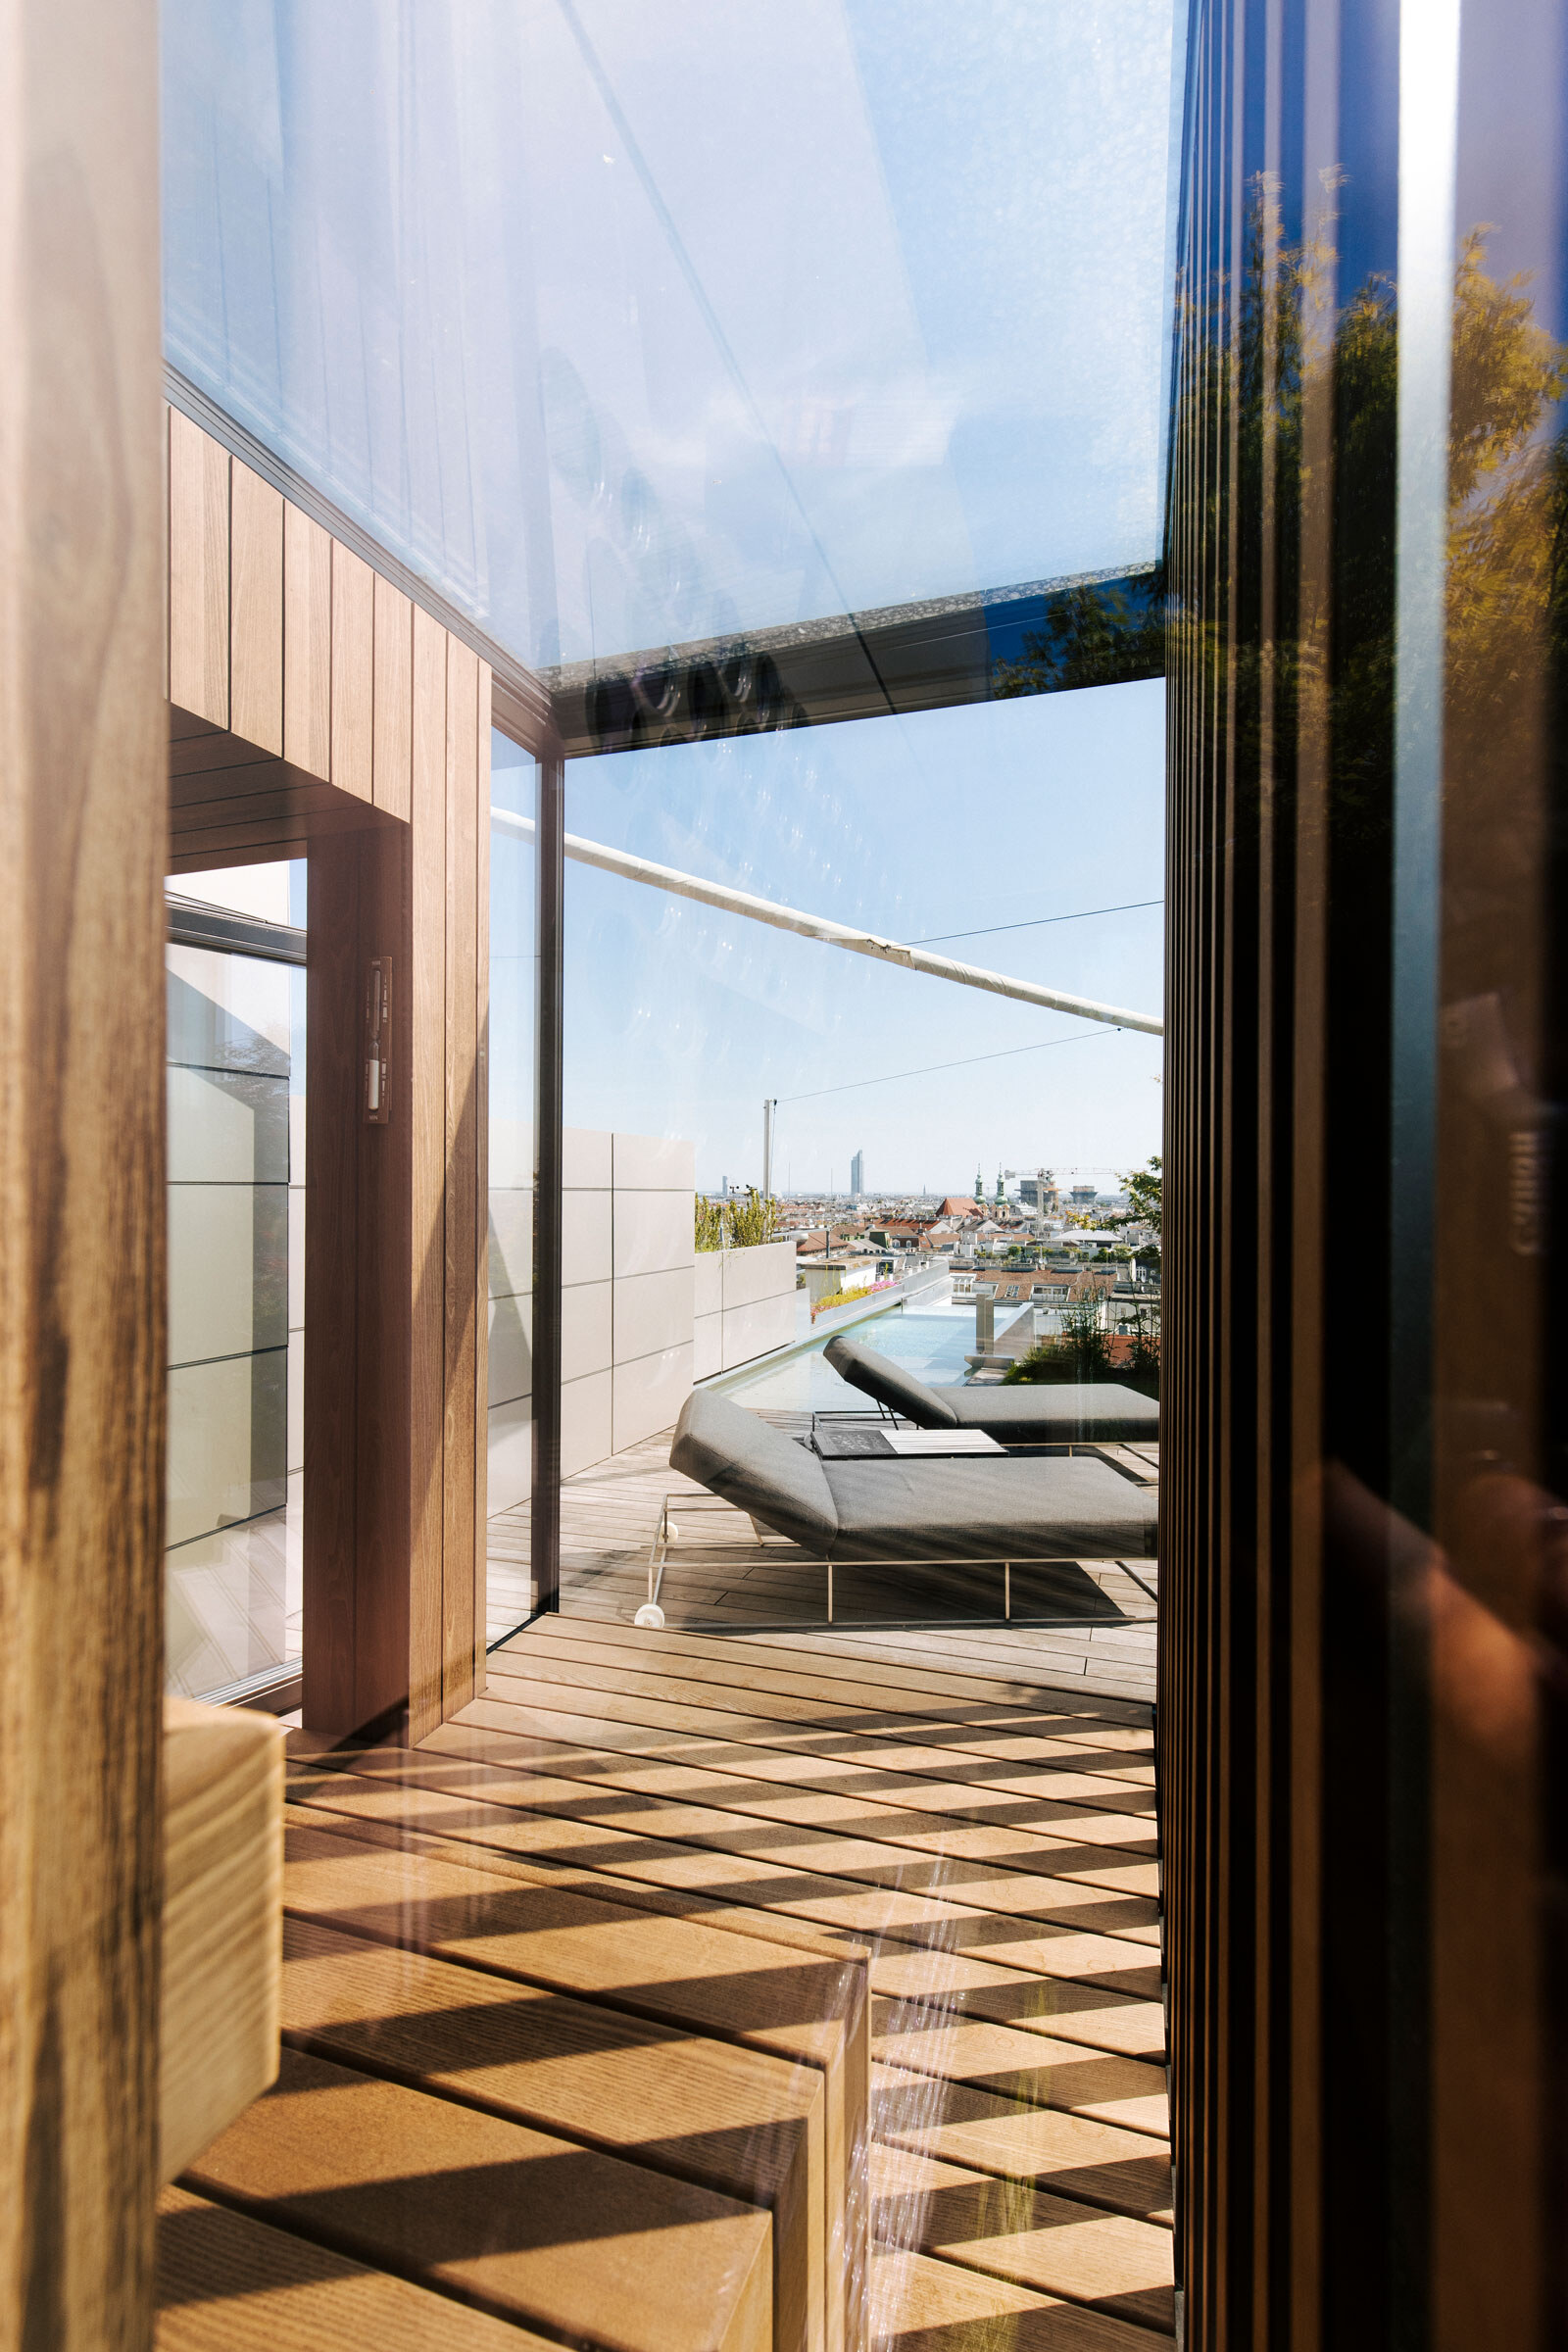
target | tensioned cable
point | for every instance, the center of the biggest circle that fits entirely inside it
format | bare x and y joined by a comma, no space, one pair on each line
1006,1054
836,935
1081,915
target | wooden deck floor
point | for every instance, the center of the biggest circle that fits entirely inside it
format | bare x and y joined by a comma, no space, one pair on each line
1098,1637
590,1919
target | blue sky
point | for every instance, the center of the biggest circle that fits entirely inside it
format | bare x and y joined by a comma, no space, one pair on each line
680,1019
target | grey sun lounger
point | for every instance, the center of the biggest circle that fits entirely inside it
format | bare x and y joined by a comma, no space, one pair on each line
1022,1507
1100,1412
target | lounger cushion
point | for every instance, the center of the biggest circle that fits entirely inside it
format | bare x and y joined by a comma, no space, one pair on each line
1051,1414
1100,1411
1019,1507
751,1464
890,1384
1022,1506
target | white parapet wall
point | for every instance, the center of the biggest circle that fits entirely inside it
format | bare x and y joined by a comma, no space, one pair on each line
744,1305
643,1314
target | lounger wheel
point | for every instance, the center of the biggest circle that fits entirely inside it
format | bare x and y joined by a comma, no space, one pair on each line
651,1615
671,1531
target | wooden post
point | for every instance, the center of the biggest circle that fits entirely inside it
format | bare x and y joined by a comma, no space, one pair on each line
82,798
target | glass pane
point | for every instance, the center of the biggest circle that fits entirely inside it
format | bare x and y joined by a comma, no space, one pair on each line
946,1166
236,1294
627,330
513,809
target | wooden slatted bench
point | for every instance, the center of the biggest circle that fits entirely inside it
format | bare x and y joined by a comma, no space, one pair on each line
801,2008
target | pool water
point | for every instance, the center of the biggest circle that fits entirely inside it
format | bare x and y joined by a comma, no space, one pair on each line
930,1342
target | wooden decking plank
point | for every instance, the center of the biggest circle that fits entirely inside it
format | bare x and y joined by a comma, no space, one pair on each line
686,1704
227,2283
613,1824
1024,2066
948,1786
1077,2009
1074,1819
516,2221
946,1827
914,1773
926,2305
1072,2155
808,1664
727,2119
1013,2231
849,1906
1117,1962
664,1656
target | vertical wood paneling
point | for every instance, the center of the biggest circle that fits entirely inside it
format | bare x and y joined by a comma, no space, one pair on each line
353,660
83,726
392,756
481,1293
198,600
384,1306
338,672
463,1119
331,1225
427,1119
256,610
307,644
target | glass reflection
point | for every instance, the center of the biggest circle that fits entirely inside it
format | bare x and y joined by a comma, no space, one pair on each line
626,341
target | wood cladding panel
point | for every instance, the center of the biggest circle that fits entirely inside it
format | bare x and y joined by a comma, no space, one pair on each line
85,510
426,1272
353,669
462,1635
332,1353
256,610
392,724
481,1175
199,559
307,643
355,729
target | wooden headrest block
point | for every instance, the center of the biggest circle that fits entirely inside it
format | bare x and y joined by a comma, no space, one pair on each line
222,1921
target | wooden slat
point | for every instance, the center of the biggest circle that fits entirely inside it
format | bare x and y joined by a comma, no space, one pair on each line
1072,2155
392,724
544,1812
928,2305
227,2282
518,2221
481,1174
83,521
307,644
198,571
332,1246
352,672
729,2120
787,2002
256,578
462,1620
1012,2230
426,1271
383,1302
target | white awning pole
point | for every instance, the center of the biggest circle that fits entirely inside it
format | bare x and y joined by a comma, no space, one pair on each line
833,935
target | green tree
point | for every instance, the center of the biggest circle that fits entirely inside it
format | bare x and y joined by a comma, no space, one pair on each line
1142,1189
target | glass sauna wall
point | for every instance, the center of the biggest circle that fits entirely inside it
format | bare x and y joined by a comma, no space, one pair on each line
236,1285
1025,836
514,892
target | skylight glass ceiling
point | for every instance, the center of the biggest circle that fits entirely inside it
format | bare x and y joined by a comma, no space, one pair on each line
628,324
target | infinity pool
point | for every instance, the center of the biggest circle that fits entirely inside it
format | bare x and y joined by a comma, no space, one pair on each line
931,1341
